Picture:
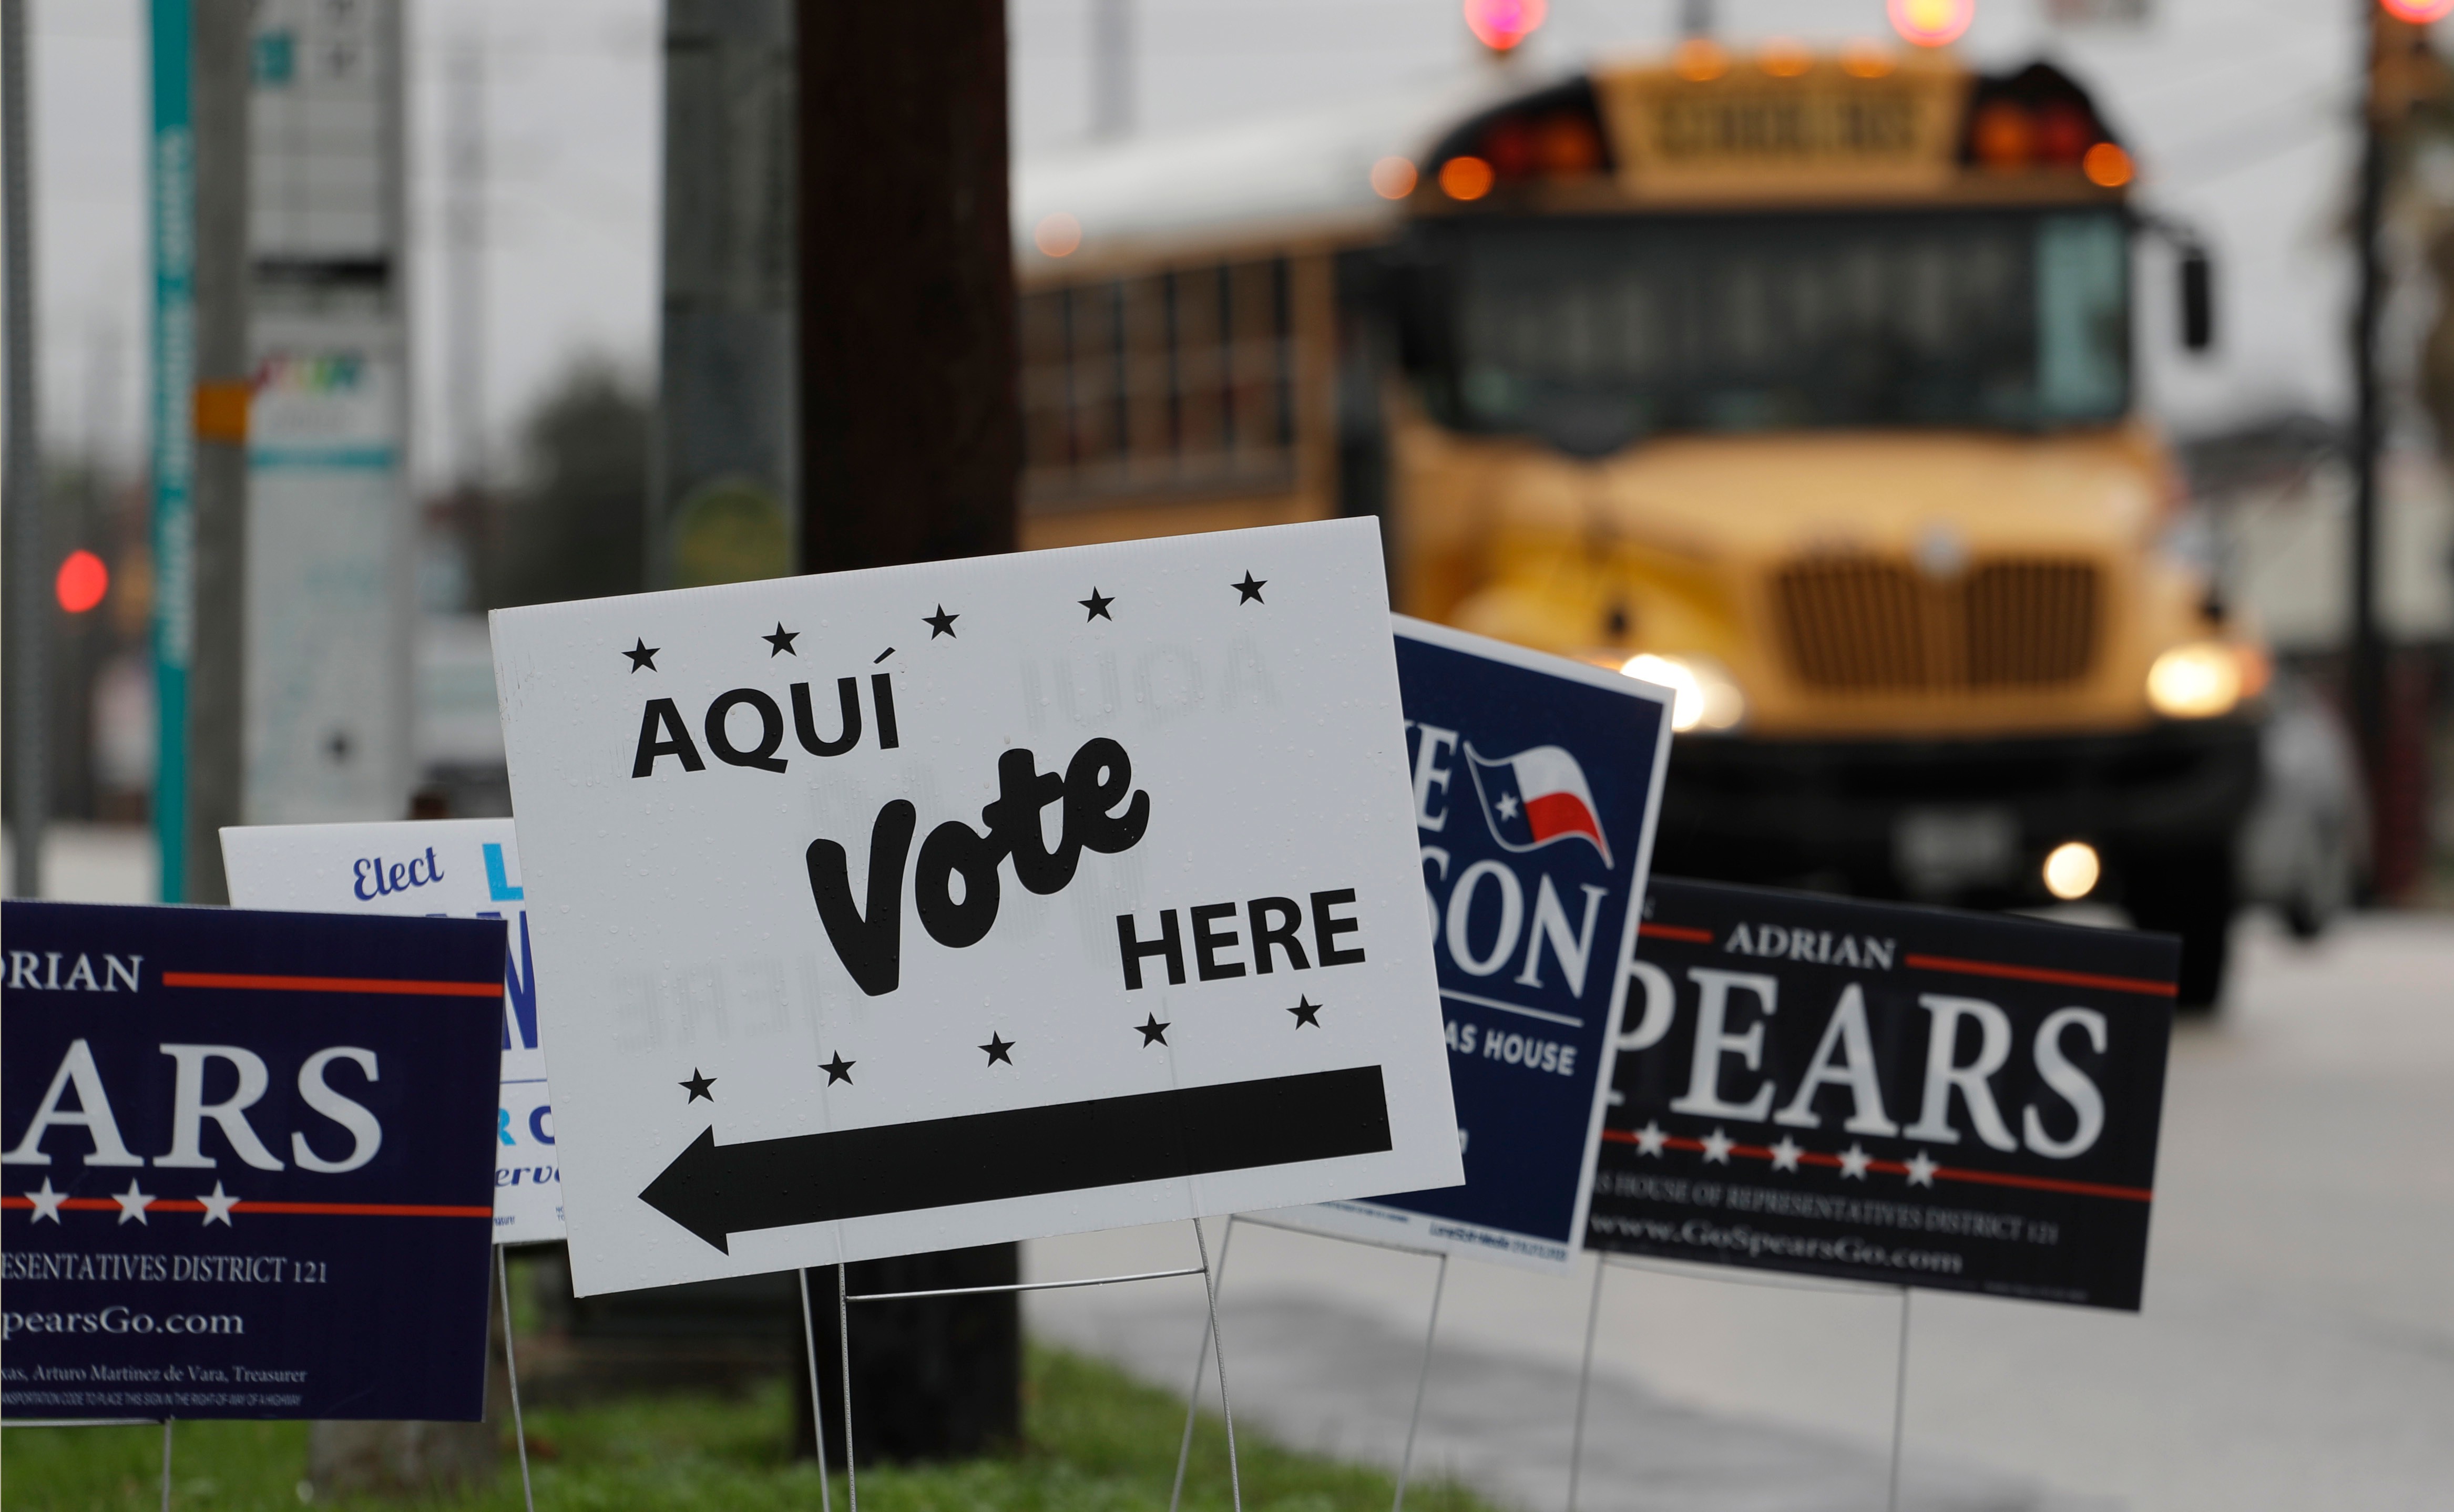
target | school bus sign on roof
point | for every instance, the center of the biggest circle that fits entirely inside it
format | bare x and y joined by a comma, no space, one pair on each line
1852,125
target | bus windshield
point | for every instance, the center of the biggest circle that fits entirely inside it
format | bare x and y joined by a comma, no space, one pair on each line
1596,332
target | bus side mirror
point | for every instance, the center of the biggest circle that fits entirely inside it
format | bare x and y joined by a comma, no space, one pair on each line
2198,300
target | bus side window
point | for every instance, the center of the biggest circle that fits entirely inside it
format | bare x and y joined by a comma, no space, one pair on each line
1177,382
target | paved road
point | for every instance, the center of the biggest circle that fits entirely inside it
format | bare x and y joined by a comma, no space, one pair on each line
2296,1349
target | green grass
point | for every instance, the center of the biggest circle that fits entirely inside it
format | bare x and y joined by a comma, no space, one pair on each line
1094,1442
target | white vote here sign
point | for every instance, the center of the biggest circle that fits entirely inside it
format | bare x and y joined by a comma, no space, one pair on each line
975,901
465,868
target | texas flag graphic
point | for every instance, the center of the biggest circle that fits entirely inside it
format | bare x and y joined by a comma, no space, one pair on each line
1535,797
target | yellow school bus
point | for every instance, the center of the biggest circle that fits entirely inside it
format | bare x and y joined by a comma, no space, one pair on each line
1800,382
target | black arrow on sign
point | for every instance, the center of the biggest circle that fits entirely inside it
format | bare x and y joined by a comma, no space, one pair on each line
715,1191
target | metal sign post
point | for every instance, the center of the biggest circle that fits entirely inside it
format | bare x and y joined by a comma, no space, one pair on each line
511,1374
1201,1357
1585,1380
27,549
1423,1380
818,1403
844,1298
1593,1317
173,165
1899,1399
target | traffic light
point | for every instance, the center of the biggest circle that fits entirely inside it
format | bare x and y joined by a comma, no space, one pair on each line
2419,12
1930,23
1502,25
81,581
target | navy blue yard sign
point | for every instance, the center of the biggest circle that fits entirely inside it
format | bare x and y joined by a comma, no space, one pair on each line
248,1160
1894,1094
1535,782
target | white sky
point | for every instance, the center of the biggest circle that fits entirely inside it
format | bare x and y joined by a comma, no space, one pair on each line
2238,108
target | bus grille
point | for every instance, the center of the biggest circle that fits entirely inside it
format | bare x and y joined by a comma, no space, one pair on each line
1872,625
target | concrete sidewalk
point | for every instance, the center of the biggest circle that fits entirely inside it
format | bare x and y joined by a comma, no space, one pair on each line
1341,1381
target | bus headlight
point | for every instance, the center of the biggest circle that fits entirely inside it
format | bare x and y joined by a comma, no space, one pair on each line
2197,680
1707,697
2072,869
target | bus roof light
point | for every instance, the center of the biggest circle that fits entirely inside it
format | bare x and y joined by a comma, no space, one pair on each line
1785,58
1509,146
2064,131
2108,166
1465,178
2004,134
1392,178
1058,234
1700,60
1571,146
1863,59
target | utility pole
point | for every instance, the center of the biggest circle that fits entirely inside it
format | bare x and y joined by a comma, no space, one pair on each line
1111,68
2402,71
911,437
221,40
720,500
464,230
21,477
911,451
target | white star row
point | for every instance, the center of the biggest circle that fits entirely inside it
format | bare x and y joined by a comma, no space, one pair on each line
132,1203
1653,1139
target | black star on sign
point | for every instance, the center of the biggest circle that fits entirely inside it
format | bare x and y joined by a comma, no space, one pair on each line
643,655
1152,1032
1306,1011
940,622
839,1069
781,642
1097,604
997,1049
698,1086
1250,588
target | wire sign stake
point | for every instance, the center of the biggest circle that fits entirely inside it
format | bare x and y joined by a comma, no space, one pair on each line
511,1374
1585,1380
844,1298
1899,1400
1423,1380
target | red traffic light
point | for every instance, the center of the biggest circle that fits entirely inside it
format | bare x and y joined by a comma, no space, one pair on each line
82,581
1500,25
1931,23
2419,12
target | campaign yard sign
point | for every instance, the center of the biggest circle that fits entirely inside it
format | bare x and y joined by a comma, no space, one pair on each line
1535,782
1904,1095
460,868
246,1163
974,901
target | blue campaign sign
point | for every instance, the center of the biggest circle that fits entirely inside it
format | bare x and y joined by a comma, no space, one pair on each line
1536,783
247,1162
